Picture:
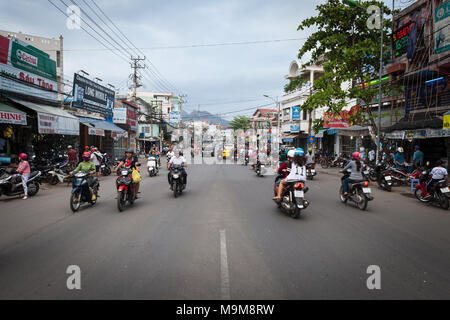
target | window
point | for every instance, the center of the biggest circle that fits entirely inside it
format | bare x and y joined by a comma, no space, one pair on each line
305,115
58,59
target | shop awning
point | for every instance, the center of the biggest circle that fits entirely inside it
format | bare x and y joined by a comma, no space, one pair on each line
354,131
52,120
12,115
101,124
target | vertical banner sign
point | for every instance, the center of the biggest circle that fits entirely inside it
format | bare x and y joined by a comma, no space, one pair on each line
91,96
442,28
296,113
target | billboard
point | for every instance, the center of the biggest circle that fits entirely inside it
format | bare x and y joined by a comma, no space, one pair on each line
120,115
442,28
27,70
90,96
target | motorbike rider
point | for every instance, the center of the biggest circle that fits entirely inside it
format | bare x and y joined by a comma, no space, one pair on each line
170,153
298,170
283,154
355,166
130,160
285,167
24,170
87,166
438,173
178,159
156,156
309,157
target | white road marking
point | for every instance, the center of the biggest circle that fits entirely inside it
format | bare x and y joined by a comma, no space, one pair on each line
224,276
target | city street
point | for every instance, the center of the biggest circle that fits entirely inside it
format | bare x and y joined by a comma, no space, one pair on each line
223,238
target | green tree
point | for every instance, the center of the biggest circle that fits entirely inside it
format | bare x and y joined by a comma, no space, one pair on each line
240,123
350,51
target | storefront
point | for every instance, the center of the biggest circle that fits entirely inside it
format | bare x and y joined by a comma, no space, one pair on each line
125,116
13,130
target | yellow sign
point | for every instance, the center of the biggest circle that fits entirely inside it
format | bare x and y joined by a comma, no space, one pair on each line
446,121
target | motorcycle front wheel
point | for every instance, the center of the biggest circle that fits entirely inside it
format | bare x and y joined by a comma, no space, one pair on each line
341,195
33,189
419,195
121,196
75,201
373,176
54,180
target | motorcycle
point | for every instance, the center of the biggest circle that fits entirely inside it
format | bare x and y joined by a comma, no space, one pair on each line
440,193
105,167
399,177
310,171
246,160
80,191
58,173
175,180
383,177
358,192
260,169
292,198
11,183
152,166
125,188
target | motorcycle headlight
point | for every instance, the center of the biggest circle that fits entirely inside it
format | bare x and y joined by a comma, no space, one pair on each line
124,172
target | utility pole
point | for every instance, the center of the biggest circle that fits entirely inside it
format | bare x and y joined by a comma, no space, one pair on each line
135,65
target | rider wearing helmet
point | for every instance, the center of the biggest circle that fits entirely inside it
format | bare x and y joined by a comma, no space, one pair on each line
87,166
355,167
178,159
131,161
399,159
298,170
24,170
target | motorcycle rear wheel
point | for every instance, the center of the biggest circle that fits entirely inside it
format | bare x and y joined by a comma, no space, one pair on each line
362,205
443,202
324,164
53,180
373,176
75,201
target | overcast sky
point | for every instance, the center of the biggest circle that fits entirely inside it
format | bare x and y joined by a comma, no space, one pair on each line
208,75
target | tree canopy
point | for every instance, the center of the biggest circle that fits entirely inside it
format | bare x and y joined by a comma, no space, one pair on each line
240,123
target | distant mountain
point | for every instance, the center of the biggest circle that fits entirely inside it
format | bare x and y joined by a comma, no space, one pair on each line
204,115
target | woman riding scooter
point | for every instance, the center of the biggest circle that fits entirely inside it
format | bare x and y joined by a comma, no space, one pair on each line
298,170
87,166
355,167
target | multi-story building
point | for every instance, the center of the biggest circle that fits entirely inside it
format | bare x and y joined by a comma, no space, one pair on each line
51,46
421,66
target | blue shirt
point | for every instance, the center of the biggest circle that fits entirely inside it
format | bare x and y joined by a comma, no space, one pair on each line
399,157
418,157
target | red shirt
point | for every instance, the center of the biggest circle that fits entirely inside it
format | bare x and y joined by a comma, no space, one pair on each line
72,155
283,168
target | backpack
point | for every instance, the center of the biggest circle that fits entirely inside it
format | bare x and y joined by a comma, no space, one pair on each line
99,158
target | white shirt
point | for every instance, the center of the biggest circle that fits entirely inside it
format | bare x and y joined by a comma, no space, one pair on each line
170,154
297,173
177,160
371,155
438,173
94,158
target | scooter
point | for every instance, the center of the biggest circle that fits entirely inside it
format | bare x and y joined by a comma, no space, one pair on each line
11,183
80,190
56,174
176,182
440,193
358,192
260,169
152,166
292,199
310,171
125,188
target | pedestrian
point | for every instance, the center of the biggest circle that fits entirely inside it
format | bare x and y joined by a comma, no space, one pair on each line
372,156
418,157
24,170
72,157
96,159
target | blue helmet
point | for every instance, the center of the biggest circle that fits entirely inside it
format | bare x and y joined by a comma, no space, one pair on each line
299,152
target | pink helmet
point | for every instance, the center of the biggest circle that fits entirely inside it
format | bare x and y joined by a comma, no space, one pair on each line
23,156
355,155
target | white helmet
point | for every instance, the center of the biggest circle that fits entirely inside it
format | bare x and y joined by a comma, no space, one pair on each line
400,149
69,147
291,154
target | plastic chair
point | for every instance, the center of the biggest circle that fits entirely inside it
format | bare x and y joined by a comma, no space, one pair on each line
413,183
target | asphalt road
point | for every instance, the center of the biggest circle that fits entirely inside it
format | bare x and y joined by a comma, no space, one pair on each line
223,238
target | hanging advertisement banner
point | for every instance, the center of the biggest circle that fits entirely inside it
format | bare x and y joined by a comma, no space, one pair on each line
442,28
27,70
341,120
52,124
12,117
296,113
96,132
90,96
294,128
120,115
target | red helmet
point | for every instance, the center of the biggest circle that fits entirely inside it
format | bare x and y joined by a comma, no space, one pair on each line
86,147
86,156
355,155
23,156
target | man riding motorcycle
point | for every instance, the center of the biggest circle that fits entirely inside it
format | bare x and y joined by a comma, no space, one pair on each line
87,166
355,166
178,159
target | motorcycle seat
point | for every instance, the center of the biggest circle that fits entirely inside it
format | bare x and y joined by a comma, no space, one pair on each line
354,184
33,174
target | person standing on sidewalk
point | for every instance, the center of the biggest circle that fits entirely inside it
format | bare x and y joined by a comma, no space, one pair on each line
418,157
24,170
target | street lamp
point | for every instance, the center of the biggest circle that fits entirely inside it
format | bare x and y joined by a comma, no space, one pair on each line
353,3
278,120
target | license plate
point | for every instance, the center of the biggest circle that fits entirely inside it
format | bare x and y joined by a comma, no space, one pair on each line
445,190
313,171
151,163
175,176
298,194
262,166
366,190
388,178
366,172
